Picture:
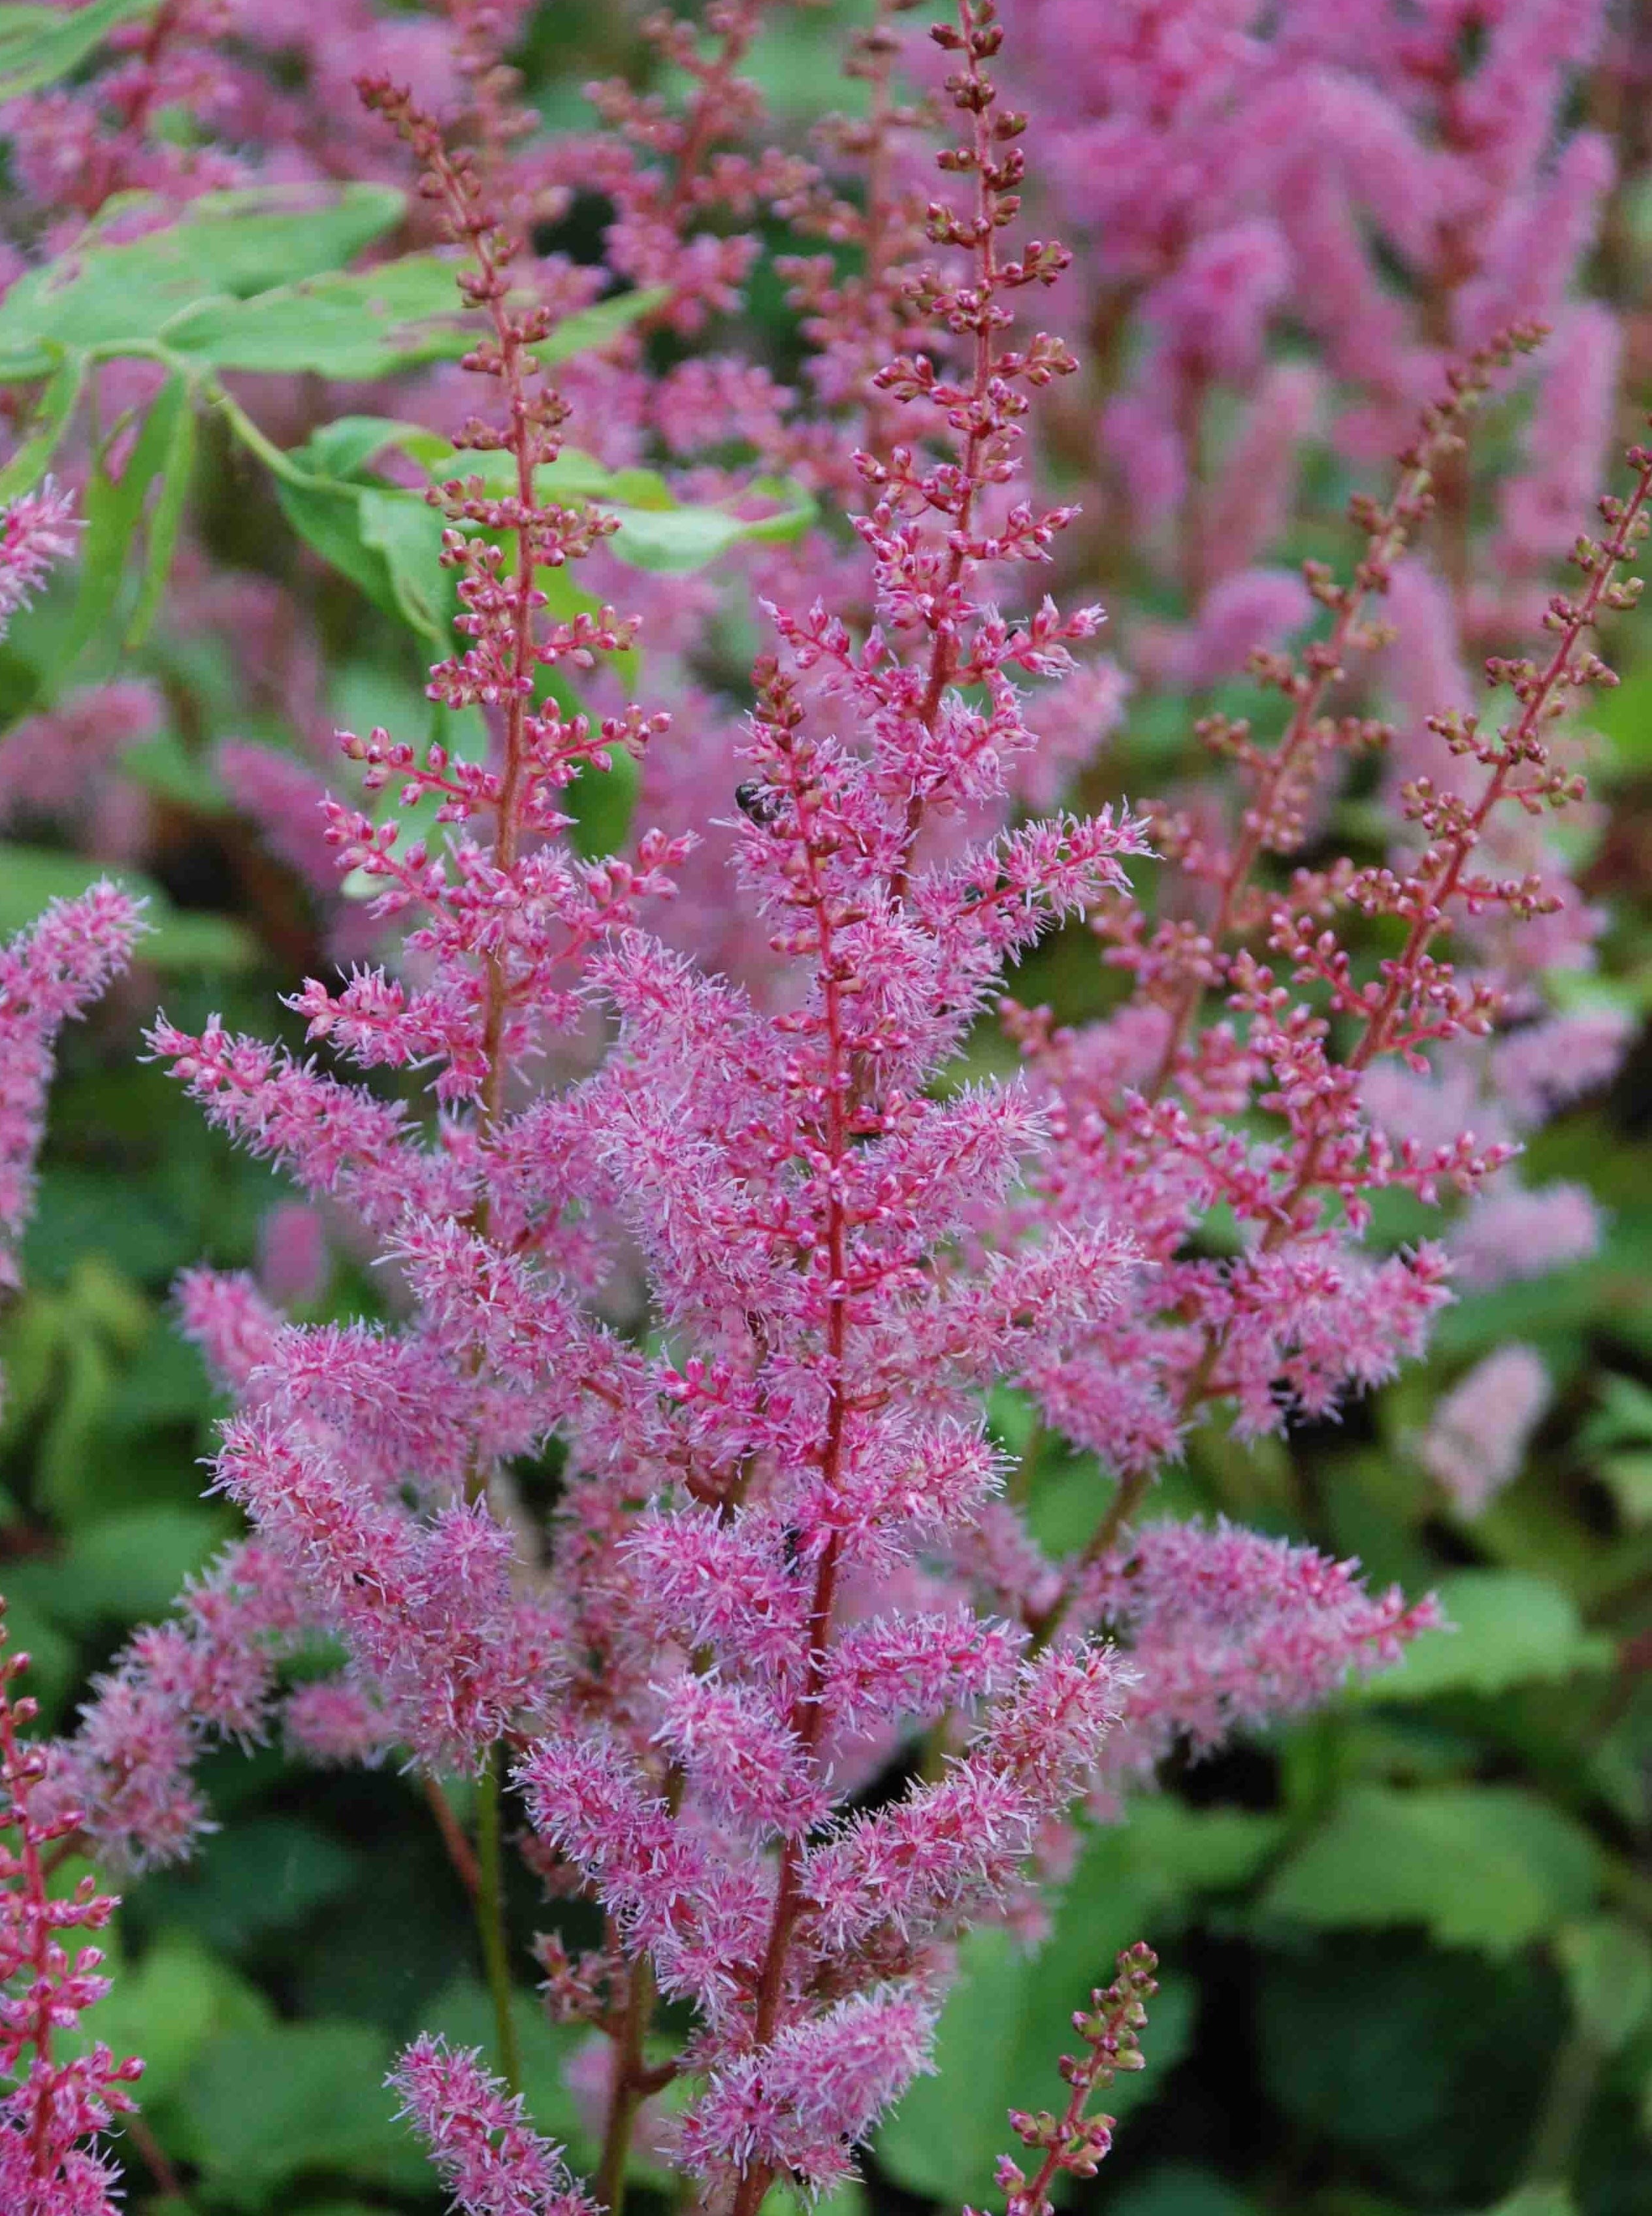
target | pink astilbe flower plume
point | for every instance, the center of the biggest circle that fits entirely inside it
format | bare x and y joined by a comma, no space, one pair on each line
36,533
48,974
489,2158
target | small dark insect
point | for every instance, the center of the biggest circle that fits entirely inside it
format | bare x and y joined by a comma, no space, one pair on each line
757,802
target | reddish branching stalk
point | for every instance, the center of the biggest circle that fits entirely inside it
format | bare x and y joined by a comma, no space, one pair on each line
1074,2144
1282,780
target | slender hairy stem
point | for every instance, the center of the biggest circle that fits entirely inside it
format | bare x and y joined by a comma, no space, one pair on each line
490,1920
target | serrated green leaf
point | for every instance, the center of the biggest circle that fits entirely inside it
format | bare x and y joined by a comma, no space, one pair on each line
38,45
1489,1867
167,2008
51,419
265,2108
365,324
1508,1627
111,295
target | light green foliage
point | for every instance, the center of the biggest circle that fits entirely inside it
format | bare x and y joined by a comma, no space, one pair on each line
38,45
1477,1865
1010,2015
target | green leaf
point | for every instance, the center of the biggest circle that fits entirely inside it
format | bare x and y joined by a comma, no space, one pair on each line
1511,1628
589,329
265,2107
677,539
51,420
167,2009
656,533
602,802
124,1568
264,1874
177,938
1489,1867
1548,2199
165,766
363,325
118,294
327,518
408,533
38,45
1608,1967
1623,1418
113,507
177,466
343,447
1005,2024
1179,2189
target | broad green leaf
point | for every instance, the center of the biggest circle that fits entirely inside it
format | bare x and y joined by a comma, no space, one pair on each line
267,2108
327,518
1006,2023
1177,2189
38,45
177,938
343,447
117,294
601,803
1509,1627
363,325
1548,2199
1488,1866
124,1568
656,532
1608,1967
589,329
407,532
166,767
166,2008
678,539
1623,1418
1624,715
51,420
260,1875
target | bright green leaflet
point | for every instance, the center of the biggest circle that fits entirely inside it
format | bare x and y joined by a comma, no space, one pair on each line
38,45
120,296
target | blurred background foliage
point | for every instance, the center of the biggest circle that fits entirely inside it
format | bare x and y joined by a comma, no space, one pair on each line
1407,1944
